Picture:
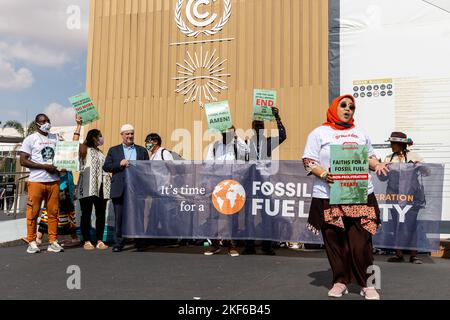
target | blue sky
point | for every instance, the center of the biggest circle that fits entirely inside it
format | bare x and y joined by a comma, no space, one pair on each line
43,53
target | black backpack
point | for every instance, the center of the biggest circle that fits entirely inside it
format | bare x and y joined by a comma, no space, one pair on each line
175,155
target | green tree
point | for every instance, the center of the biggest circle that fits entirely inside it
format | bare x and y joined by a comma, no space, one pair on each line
24,132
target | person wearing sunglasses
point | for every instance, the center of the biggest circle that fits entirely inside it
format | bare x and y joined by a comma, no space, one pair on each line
347,230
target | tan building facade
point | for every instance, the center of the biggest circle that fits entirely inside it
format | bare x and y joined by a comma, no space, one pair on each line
141,52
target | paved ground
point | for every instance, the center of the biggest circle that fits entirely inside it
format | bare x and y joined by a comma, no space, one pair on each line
184,273
11,216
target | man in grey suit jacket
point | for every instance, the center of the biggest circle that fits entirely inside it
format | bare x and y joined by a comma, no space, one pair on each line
116,162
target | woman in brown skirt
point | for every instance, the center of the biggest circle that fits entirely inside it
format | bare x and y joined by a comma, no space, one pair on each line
347,230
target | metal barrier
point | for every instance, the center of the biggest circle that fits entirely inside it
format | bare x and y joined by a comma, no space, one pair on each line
14,202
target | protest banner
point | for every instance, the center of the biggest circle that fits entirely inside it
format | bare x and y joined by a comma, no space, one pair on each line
256,201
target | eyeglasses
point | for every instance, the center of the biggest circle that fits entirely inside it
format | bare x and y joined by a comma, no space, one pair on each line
343,105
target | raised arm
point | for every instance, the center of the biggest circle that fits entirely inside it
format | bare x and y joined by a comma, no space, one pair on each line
274,142
281,129
76,134
76,137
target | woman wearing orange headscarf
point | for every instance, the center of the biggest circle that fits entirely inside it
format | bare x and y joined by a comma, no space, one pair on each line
347,230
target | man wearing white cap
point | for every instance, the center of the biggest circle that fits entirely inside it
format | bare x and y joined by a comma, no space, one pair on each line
116,162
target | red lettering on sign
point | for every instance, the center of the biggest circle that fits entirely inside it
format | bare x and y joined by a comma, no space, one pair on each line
264,103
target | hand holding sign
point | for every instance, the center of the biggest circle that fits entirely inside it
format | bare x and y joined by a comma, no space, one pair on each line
124,163
327,177
50,168
276,113
79,120
381,169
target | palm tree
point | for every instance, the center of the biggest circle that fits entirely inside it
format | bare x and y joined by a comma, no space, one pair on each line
19,127
21,130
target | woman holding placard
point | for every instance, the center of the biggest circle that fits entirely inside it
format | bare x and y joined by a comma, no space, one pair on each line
94,186
346,229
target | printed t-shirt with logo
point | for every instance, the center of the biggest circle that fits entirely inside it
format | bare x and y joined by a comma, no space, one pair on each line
318,149
42,151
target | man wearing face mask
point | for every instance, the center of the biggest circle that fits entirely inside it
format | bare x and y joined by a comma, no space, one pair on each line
36,154
116,162
159,221
229,148
153,144
261,148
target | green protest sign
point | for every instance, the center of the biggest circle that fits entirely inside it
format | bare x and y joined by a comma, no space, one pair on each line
263,102
350,170
85,107
218,115
66,155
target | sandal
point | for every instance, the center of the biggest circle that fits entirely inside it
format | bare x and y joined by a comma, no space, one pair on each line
101,246
88,246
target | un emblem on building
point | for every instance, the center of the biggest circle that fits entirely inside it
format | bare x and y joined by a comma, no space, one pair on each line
199,21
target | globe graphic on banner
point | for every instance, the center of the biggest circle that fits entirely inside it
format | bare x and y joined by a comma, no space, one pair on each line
229,197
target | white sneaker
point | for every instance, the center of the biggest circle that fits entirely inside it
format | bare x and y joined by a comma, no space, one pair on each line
338,290
54,247
33,248
370,293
